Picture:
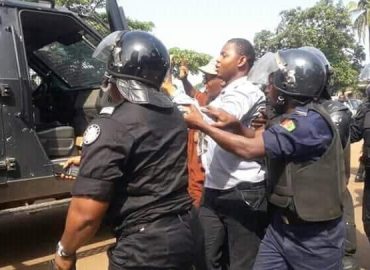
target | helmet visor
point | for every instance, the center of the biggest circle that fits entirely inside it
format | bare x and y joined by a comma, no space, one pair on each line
267,64
105,47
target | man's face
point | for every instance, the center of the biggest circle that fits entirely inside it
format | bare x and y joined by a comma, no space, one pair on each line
228,62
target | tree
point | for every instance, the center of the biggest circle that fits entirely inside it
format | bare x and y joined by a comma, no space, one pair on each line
326,26
191,58
89,6
360,13
146,26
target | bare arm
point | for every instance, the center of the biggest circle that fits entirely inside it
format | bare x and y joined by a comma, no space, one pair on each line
247,148
226,121
83,220
188,87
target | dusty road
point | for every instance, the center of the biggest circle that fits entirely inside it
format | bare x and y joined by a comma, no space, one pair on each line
28,241
363,246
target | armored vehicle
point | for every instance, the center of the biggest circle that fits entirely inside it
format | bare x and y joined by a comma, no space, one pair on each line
49,91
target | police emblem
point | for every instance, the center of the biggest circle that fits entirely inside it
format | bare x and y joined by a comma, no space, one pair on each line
91,134
288,124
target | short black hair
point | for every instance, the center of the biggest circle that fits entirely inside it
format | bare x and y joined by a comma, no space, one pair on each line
245,48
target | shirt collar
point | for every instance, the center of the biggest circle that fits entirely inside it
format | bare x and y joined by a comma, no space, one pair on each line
236,83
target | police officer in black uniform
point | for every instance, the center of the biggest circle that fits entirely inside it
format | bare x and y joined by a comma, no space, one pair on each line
360,129
305,165
133,165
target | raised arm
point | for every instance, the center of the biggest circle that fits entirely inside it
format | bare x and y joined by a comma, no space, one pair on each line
188,87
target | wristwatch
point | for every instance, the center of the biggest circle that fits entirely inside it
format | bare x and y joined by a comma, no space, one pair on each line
62,253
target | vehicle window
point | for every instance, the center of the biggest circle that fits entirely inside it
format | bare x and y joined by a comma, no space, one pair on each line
60,44
73,63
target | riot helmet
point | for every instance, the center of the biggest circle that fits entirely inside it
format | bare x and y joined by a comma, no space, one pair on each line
327,91
134,55
319,54
298,75
301,74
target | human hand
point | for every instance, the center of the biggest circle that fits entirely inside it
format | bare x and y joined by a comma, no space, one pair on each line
73,161
221,118
64,263
192,116
260,121
183,72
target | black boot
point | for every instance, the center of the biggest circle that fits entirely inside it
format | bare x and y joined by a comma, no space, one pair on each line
360,175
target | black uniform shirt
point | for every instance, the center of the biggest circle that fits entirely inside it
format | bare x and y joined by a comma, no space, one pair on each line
357,125
135,158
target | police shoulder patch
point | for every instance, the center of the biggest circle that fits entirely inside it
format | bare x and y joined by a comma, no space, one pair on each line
107,110
91,134
288,124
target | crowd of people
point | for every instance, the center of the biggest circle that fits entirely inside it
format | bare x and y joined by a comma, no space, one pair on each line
248,173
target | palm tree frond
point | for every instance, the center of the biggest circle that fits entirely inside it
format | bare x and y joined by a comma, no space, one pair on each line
356,14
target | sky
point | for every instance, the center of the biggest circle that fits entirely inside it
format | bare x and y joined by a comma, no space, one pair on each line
205,25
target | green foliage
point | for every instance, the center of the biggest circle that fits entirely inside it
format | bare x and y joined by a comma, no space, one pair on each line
191,58
265,41
326,26
92,5
140,25
68,3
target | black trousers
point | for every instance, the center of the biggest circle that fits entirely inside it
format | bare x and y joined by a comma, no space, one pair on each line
349,219
234,223
167,243
366,204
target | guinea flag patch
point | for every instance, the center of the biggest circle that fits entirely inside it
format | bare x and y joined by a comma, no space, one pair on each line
288,124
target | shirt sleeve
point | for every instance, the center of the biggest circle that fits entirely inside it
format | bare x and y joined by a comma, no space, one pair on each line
102,160
308,141
239,101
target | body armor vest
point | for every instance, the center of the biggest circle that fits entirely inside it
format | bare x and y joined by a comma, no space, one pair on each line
314,189
341,117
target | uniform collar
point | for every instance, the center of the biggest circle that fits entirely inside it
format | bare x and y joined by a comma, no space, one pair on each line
301,110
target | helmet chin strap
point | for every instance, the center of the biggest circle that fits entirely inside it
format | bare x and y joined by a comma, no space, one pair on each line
280,100
279,106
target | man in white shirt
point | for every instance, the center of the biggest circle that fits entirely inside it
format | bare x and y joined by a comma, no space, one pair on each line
233,211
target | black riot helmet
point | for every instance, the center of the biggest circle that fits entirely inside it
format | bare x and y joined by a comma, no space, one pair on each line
134,55
327,92
301,74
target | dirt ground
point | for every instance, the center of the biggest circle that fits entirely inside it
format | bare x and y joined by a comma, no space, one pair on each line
28,241
363,246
